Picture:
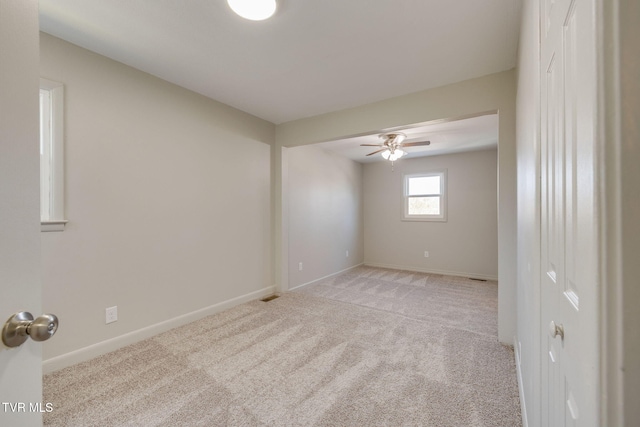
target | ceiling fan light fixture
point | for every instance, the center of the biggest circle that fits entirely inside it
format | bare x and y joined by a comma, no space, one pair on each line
396,154
393,155
254,10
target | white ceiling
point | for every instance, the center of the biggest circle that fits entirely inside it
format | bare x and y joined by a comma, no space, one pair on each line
312,57
446,136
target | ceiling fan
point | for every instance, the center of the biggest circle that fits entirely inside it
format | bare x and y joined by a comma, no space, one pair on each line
392,147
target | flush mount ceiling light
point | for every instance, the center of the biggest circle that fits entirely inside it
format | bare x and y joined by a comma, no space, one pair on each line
255,10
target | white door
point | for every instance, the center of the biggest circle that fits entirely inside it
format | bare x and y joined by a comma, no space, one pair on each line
21,367
569,275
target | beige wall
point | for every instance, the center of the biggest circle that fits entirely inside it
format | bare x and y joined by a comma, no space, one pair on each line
495,92
620,60
466,244
155,226
528,347
168,201
623,153
325,214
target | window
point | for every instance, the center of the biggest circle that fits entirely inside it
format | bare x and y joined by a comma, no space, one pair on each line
425,197
51,156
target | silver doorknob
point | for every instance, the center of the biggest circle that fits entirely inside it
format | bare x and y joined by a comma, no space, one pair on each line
22,325
555,330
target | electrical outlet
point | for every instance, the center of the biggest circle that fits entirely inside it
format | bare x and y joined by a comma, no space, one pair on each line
347,254
299,266
111,314
426,254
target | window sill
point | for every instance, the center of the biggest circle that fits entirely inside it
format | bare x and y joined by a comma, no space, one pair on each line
423,219
53,225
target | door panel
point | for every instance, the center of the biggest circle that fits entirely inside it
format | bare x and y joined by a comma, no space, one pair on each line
568,223
20,367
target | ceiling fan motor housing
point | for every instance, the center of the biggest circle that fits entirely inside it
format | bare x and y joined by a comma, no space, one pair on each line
393,141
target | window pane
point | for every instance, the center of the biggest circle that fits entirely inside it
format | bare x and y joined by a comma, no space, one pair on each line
424,185
424,205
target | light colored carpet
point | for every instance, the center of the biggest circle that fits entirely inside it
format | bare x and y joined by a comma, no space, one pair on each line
453,301
304,360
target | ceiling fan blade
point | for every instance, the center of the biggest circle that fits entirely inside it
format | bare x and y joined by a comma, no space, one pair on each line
371,145
375,152
416,144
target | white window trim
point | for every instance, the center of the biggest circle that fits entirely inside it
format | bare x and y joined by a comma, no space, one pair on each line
443,197
56,220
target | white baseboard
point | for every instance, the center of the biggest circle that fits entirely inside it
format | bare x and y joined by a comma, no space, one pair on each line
425,270
325,277
523,406
98,349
